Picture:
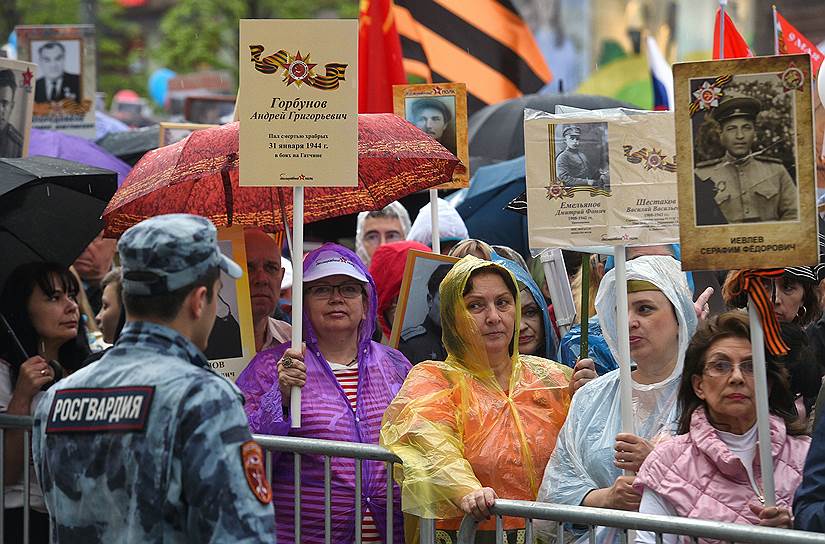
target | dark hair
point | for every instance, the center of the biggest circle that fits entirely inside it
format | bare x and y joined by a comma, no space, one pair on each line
51,45
7,80
165,307
115,277
432,103
437,277
14,303
497,270
810,300
733,324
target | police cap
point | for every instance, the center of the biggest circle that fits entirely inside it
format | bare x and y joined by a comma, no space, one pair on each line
165,253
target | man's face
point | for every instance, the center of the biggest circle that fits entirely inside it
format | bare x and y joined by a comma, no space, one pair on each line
431,121
379,231
203,327
738,135
51,62
96,259
6,105
263,263
572,141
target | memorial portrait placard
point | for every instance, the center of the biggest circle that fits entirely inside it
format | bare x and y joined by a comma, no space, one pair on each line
440,111
231,342
746,173
64,91
298,102
600,178
16,101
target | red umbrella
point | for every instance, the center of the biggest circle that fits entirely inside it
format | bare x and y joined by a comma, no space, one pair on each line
199,175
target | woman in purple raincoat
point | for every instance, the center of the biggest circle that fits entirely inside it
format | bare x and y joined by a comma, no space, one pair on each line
348,381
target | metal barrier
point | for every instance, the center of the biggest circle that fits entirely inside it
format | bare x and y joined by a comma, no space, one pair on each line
329,449
530,511
620,519
24,423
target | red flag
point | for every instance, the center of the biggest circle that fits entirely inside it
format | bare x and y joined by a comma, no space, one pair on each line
735,45
791,41
379,57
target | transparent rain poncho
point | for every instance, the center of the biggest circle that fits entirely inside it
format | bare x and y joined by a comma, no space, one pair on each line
583,457
457,430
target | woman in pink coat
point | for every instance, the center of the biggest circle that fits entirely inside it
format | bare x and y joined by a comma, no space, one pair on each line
711,470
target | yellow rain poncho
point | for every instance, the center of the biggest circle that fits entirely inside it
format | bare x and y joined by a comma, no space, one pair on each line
457,430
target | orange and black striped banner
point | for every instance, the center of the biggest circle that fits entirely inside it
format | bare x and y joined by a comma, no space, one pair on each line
483,43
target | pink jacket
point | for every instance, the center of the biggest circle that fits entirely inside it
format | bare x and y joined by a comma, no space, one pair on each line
700,478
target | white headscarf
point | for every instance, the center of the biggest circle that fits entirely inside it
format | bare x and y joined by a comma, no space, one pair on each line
450,225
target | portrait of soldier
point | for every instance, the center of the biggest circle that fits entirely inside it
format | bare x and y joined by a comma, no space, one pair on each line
435,119
422,342
56,83
573,168
743,185
11,140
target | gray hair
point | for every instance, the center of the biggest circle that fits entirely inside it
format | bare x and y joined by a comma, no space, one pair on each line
393,210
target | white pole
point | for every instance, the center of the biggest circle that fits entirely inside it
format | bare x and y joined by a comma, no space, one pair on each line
775,33
297,290
625,381
763,426
722,4
434,221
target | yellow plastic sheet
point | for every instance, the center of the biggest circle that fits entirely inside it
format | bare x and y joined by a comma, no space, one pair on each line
457,430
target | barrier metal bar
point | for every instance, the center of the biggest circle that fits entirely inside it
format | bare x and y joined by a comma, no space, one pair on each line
24,423
327,501
333,448
26,484
390,528
2,485
619,519
297,486
358,494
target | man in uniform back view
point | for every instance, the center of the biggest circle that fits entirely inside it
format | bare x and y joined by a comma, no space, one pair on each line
148,444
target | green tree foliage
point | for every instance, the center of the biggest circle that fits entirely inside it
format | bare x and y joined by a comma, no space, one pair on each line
203,34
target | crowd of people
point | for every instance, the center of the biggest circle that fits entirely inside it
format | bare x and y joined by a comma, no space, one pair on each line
136,438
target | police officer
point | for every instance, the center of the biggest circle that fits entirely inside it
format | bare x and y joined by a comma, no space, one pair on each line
423,342
746,186
572,166
148,444
11,141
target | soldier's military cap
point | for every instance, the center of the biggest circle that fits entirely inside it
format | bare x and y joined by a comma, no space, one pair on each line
167,252
433,103
571,129
737,106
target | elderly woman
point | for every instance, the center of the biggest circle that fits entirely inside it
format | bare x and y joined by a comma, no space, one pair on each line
348,381
586,466
39,301
535,334
482,423
710,469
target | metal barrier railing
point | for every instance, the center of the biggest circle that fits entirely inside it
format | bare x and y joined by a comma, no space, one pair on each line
15,423
530,511
620,519
350,450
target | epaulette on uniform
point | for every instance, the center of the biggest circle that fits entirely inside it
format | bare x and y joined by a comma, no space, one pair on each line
712,162
412,332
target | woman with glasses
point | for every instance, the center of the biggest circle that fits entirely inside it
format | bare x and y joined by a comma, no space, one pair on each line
711,469
347,382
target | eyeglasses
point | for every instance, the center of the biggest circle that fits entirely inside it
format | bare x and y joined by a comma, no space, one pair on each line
346,290
721,369
374,238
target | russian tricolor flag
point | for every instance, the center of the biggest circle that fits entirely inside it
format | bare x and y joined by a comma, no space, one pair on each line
661,75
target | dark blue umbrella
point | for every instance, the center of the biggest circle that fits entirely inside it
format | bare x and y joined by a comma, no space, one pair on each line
482,205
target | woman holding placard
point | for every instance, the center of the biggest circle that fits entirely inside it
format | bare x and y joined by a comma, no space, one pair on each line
710,471
591,452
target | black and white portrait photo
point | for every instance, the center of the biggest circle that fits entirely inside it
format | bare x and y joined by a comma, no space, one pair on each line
16,86
435,116
744,150
225,338
580,154
59,70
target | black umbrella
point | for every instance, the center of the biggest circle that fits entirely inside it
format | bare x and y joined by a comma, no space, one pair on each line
49,209
131,145
496,133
